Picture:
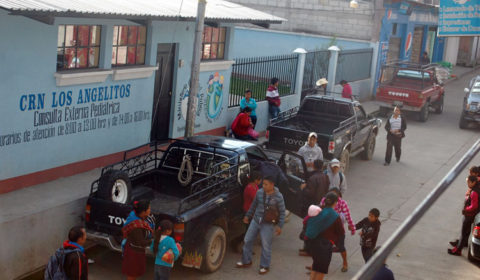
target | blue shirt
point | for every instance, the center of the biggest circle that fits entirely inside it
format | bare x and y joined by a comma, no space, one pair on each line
251,103
163,246
384,274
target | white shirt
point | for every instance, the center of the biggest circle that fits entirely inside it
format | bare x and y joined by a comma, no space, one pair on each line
310,154
396,123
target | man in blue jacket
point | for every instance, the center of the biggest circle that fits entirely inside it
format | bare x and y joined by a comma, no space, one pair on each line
267,198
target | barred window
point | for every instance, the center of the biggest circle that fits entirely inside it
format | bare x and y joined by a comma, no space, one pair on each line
78,46
213,44
129,45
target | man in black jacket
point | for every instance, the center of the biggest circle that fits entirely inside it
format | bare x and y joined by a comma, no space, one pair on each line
395,127
76,262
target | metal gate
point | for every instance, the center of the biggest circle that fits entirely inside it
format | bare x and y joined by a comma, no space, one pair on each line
316,67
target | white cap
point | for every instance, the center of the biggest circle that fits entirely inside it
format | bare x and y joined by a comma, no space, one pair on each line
312,134
334,162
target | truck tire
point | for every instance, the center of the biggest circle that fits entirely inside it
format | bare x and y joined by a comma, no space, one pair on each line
470,256
214,248
439,105
423,114
369,147
345,160
115,186
463,123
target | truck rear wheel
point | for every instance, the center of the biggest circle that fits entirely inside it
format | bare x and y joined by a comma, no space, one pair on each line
423,114
369,147
115,185
439,105
214,248
345,160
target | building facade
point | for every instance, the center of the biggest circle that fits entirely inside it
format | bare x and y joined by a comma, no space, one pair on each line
81,83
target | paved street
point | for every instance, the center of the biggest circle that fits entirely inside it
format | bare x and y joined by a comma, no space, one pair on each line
429,150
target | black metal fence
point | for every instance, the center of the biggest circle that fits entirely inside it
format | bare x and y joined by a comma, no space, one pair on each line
255,74
354,65
316,67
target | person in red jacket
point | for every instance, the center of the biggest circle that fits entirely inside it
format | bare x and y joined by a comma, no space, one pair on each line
241,125
250,190
273,98
469,211
347,90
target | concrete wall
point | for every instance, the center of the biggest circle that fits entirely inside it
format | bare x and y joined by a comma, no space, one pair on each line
34,222
451,50
270,42
323,17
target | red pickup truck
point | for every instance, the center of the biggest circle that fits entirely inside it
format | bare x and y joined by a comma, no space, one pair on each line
412,87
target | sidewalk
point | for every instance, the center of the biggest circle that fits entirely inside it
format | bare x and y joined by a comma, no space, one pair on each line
459,72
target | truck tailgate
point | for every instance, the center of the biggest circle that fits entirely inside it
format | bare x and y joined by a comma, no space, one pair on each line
106,216
282,139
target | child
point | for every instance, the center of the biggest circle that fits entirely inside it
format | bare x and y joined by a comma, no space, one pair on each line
370,227
470,210
313,211
273,98
251,190
344,212
165,250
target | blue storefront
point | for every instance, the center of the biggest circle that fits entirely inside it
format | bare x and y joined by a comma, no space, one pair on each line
409,29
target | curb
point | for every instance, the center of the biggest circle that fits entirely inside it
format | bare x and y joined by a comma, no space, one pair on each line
462,75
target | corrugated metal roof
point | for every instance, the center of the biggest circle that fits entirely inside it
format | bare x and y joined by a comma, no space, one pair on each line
217,10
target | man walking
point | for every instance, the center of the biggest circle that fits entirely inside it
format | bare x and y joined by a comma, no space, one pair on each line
395,127
311,151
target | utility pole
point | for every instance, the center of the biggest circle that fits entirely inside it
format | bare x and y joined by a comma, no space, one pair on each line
197,51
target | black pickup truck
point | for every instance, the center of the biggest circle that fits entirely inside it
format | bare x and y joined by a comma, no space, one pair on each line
196,183
342,126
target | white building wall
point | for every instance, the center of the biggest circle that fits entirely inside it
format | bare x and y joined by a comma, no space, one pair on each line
451,50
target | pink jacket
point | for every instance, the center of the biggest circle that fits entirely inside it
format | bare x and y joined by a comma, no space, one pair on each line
343,210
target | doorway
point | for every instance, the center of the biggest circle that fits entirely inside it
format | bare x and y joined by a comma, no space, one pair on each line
162,97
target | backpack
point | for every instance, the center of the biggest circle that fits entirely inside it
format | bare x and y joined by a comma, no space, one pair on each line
55,269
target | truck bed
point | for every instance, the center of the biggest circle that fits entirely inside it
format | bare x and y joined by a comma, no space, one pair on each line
165,204
301,123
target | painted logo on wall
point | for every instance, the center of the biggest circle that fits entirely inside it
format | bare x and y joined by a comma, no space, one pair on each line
408,43
214,101
182,106
389,14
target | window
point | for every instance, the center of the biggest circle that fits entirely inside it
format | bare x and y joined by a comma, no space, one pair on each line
78,46
129,45
394,30
213,44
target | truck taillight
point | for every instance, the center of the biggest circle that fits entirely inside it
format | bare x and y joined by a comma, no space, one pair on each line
178,232
87,212
267,134
476,232
331,147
